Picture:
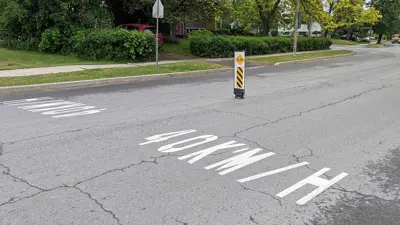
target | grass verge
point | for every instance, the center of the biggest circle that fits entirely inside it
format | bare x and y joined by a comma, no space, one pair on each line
286,58
106,73
343,42
182,48
374,45
12,59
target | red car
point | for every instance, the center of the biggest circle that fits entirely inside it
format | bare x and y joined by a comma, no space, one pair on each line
146,29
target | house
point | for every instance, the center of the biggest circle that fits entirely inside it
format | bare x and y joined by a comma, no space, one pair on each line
182,30
315,29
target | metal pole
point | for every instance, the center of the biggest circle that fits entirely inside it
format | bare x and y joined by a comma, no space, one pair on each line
295,29
158,15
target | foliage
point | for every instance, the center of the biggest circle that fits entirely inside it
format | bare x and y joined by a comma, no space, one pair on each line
264,13
114,45
200,33
390,10
224,46
51,41
24,21
332,14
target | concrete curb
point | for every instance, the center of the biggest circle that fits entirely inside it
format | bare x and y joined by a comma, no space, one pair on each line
312,59
103,82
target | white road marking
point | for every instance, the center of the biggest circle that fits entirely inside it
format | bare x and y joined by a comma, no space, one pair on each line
205,152
280,170
46,105
239,161
31,103
25,100
170,147
52,106
314,179
166,136
68,110
89,112
242,160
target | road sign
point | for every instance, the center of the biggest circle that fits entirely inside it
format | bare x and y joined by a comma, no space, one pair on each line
239,75
158,9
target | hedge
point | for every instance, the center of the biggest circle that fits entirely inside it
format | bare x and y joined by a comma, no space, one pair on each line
215,46
114,44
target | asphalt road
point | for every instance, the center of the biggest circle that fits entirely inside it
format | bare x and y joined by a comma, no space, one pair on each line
313,143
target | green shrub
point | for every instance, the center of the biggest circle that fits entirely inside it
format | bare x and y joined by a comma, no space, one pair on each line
200,33
28,44
51,41
224,46
222,31
114,45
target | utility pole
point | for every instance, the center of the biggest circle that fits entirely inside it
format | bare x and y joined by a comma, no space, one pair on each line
296,28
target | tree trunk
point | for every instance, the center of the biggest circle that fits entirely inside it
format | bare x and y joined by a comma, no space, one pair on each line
326,33
266,26
380,39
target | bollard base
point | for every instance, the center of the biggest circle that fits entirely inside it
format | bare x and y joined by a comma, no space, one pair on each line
239,93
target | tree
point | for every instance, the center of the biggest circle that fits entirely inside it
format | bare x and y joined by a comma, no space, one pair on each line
332,14
390,10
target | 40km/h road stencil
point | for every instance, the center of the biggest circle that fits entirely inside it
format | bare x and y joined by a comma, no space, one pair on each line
243,157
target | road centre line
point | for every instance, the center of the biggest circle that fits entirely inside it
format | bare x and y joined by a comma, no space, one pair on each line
246,158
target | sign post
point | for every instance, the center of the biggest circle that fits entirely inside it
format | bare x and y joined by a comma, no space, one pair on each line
239,75
158,12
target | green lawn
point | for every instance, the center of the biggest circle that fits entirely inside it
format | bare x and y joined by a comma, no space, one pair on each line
107,73
11,59
374,45
343,42
183,48
285,58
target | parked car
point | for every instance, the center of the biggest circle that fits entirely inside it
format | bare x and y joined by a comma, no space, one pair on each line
146,29
395,38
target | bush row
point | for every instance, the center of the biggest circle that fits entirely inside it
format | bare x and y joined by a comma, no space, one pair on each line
104,44
214,46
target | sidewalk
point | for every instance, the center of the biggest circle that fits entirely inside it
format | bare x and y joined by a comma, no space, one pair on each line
73,68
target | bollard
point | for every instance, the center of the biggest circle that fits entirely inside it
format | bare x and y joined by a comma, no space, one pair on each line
239,75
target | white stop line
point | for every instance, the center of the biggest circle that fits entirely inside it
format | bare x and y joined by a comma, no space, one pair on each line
56,108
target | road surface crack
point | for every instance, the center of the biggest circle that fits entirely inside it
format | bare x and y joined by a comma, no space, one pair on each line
17,199
311,154
17,179
1,148
154,161
253,220
99,204
313,109
60,133
262,192
184,223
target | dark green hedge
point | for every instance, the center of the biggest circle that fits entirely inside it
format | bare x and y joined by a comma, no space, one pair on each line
215,46
103,44
114,44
